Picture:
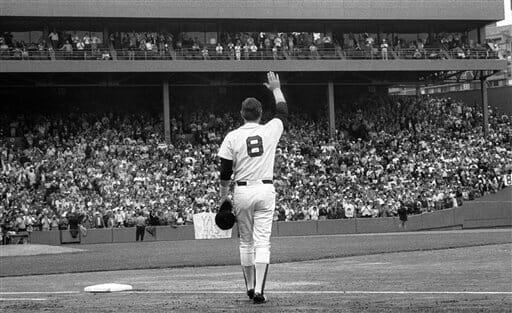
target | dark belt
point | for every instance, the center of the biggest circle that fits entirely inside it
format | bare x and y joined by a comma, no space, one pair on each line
244,183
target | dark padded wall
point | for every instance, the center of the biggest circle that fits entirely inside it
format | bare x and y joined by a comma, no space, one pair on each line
491,211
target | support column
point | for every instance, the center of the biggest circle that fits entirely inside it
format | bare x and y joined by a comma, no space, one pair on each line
418,92
332,121
106,37
481,35
46,32
167,120
485,106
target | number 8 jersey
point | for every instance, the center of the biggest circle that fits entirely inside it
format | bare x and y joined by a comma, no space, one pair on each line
252,148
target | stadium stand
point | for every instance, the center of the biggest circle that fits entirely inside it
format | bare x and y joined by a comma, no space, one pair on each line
240,46
361,159
422,155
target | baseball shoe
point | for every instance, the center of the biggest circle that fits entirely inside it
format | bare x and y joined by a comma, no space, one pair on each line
259,298
250,293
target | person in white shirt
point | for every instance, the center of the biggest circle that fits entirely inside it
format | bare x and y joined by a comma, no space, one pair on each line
54,37
238,52
313,213
253,50
349,210
219,50
80,45
384,49
247,157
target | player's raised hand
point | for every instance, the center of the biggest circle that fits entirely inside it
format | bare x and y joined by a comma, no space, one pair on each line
272,81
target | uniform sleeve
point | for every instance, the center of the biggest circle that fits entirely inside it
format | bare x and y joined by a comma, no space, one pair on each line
226,169
282,113
275,126
225,150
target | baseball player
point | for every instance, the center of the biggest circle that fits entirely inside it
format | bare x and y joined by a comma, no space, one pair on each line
247,154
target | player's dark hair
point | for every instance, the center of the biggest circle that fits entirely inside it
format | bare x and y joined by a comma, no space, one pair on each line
251,109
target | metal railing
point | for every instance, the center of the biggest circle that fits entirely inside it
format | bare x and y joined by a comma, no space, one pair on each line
298,53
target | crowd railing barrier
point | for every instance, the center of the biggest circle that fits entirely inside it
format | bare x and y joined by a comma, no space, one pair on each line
298,53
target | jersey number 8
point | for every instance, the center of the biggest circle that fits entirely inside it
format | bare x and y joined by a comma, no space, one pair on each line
254,146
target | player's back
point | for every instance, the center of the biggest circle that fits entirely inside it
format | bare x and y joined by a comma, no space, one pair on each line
253,147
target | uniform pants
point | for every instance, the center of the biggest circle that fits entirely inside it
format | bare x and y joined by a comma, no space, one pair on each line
254,208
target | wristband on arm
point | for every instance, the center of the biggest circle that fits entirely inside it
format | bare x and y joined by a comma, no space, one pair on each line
224,189
278,95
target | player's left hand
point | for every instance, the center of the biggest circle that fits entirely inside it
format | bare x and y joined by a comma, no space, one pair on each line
225,218
226,199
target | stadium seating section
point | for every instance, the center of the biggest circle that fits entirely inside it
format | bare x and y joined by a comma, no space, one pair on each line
99,170
239,46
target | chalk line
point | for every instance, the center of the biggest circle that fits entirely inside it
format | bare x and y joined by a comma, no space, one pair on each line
305,292
23,299
5,293
363,292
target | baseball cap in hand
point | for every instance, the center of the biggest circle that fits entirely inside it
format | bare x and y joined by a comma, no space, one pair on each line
225,218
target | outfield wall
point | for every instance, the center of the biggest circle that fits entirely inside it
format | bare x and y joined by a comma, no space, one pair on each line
482,213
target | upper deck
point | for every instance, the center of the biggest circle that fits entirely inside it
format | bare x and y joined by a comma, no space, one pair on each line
208,35
462,10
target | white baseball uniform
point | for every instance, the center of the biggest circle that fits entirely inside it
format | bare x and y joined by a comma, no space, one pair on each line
252,149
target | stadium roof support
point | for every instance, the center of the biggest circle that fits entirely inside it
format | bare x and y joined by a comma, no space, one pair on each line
485,105
166,104
330,97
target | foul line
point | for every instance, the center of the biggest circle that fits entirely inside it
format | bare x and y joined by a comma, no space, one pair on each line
366,292
193,292
38,293
23,299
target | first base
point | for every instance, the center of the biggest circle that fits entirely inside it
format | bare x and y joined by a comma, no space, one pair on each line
108,288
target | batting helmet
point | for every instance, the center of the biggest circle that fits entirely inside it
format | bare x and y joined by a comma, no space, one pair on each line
225,218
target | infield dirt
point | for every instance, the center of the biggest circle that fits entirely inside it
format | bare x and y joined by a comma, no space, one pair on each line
476,277
420,281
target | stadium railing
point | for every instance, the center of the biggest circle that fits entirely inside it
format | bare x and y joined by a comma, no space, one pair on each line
298,53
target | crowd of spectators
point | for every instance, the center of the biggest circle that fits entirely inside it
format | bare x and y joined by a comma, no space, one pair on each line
57,44
244,46
389,153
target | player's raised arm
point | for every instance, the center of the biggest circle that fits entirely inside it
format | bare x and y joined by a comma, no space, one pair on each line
273,84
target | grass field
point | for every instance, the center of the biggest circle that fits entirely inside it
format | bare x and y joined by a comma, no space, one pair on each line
452,271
